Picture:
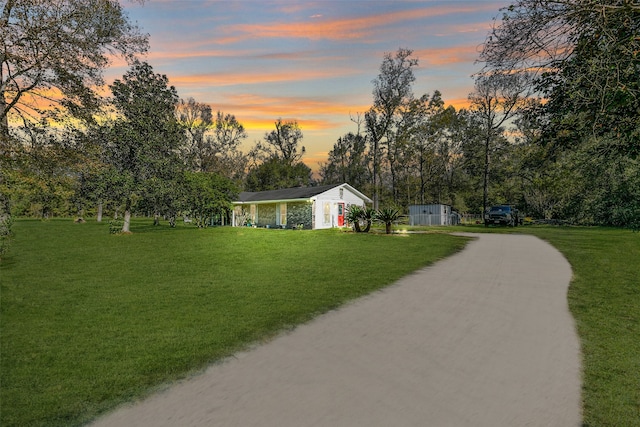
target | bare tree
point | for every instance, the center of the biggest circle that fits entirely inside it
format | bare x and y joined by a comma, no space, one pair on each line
539,36
584,55
282,143
59,46
392,92
575,44
197,119
495,100
228,134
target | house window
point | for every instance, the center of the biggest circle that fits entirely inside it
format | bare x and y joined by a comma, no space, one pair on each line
327,212
282,214
341,193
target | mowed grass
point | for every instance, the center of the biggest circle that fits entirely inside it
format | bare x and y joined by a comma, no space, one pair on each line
604,298
90,320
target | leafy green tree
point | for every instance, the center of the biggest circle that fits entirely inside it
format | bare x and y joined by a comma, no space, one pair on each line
212,142
392,93
278,160
40,175
229,160
145,139
398,145
434,154
205,195
496,99
276,173
584,55
196,118
62,46
347,162
282,143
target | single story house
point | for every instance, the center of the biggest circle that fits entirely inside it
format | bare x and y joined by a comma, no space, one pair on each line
434,214
301,207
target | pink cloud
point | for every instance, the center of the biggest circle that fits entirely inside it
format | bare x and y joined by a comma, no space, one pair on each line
256,77
344,28
448,55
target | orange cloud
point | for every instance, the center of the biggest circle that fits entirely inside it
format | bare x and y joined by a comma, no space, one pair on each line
341,29
260,112
449,55
459,104
314,160
262,124
257,77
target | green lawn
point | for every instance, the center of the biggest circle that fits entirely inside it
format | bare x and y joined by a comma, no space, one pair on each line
90,320
604,298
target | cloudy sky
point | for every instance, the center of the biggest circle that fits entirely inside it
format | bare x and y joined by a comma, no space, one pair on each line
309,61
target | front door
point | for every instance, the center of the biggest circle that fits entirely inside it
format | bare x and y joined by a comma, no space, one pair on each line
340,214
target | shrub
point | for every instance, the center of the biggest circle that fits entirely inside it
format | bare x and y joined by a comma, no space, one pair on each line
387,216
115,226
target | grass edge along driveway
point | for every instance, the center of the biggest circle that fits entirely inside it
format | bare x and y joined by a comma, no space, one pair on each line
604,299
90,320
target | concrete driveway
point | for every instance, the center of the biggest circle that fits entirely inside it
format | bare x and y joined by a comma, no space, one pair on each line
483,338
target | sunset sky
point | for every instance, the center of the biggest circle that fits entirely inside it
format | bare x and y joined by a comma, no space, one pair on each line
309,61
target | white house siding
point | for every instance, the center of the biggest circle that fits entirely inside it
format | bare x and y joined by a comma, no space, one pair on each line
266,209
332,199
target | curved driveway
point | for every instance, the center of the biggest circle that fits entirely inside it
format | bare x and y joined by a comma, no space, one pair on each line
483,338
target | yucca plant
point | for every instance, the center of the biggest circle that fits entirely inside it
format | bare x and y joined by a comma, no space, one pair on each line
353,217
360,217
388,216
367,217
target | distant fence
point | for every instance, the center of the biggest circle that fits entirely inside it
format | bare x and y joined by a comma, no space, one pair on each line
467,219
443,219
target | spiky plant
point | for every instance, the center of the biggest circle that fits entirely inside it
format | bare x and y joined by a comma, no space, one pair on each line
387,216
353,217
360,217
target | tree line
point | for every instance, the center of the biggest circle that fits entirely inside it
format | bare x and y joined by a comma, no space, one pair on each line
552,124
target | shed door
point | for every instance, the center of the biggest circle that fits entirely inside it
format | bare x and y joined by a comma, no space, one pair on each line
340,214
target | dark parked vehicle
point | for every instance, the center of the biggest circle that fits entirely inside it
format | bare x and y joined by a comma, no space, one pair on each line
502,215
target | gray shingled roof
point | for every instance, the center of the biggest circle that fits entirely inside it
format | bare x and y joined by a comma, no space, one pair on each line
284,194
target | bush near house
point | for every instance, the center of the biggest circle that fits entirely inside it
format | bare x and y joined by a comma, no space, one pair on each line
387,216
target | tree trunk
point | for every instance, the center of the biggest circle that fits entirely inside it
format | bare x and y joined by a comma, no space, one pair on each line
387,226
99,217
4,119
375,175
127,217
485,189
